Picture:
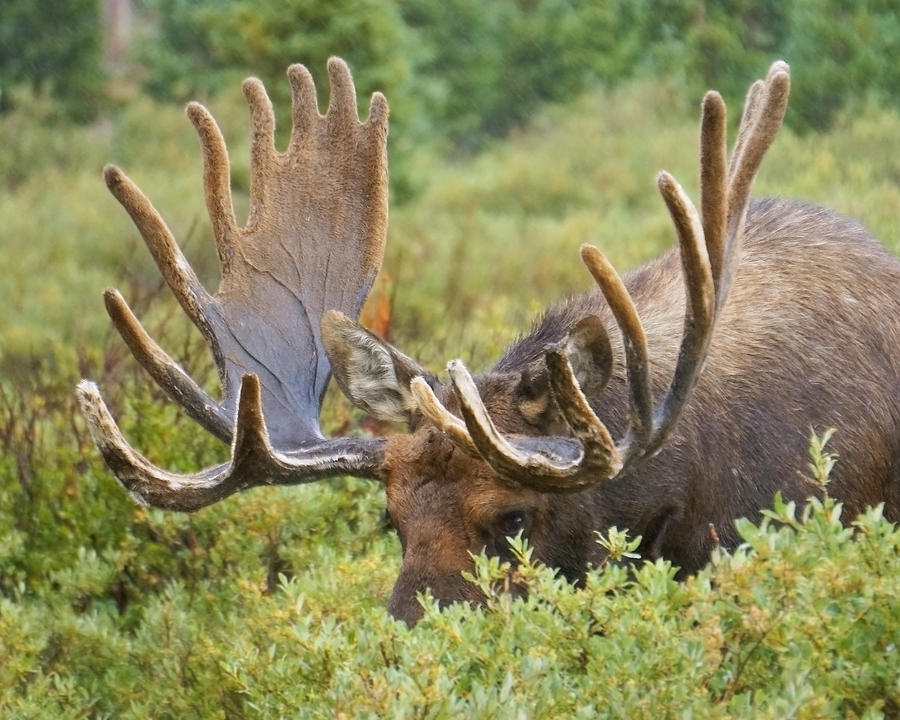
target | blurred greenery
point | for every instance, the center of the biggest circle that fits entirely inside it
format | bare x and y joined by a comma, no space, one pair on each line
519,131
475,69
56,51
463,70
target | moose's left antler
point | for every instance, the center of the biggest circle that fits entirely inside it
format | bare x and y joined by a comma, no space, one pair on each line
709,242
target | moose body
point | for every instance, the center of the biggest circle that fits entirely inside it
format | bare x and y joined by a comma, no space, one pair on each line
710,364
807,339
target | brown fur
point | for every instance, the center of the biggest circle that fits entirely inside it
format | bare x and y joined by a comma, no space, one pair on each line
808,339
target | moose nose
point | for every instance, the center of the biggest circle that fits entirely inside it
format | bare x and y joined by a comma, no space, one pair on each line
404,605
446,585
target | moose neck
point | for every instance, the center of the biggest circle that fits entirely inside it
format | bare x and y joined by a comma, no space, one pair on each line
658,293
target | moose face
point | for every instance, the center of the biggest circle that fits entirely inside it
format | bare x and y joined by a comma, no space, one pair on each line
446,503
447,506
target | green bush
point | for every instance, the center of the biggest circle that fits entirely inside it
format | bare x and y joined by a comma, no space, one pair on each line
842,57
55,53
200,40
802,620
467,71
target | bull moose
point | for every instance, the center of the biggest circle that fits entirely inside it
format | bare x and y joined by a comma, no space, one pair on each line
707,366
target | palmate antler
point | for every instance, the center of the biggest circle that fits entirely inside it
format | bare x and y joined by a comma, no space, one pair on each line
709,242
313,241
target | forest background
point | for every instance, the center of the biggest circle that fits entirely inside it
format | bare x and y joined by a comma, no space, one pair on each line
519,130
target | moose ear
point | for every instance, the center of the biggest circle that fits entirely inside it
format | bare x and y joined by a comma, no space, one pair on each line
373,374
590,354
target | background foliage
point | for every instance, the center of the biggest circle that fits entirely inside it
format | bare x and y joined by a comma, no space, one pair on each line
519,130
463,69
56,53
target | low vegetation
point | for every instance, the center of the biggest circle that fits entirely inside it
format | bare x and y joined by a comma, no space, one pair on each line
269,606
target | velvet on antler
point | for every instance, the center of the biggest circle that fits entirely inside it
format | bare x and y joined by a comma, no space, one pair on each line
313,241
709,241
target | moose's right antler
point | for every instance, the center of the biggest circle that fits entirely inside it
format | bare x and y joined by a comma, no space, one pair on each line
708,242
313,241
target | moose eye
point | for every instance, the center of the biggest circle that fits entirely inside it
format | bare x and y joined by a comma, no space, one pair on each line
513,522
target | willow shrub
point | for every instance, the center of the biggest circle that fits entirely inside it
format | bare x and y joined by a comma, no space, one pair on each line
271,605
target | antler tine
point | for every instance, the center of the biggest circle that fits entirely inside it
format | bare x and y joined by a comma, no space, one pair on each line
432,408
489,442
748,118
699,316
254,461
600,452
549,468
179,386
713,182
342,102
262,129
216,181
174,267
499,452
635,341
763,114
262,141
378,111
147,483
763,119
304,104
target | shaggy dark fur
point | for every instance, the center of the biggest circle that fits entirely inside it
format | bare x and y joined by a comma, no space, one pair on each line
808,339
